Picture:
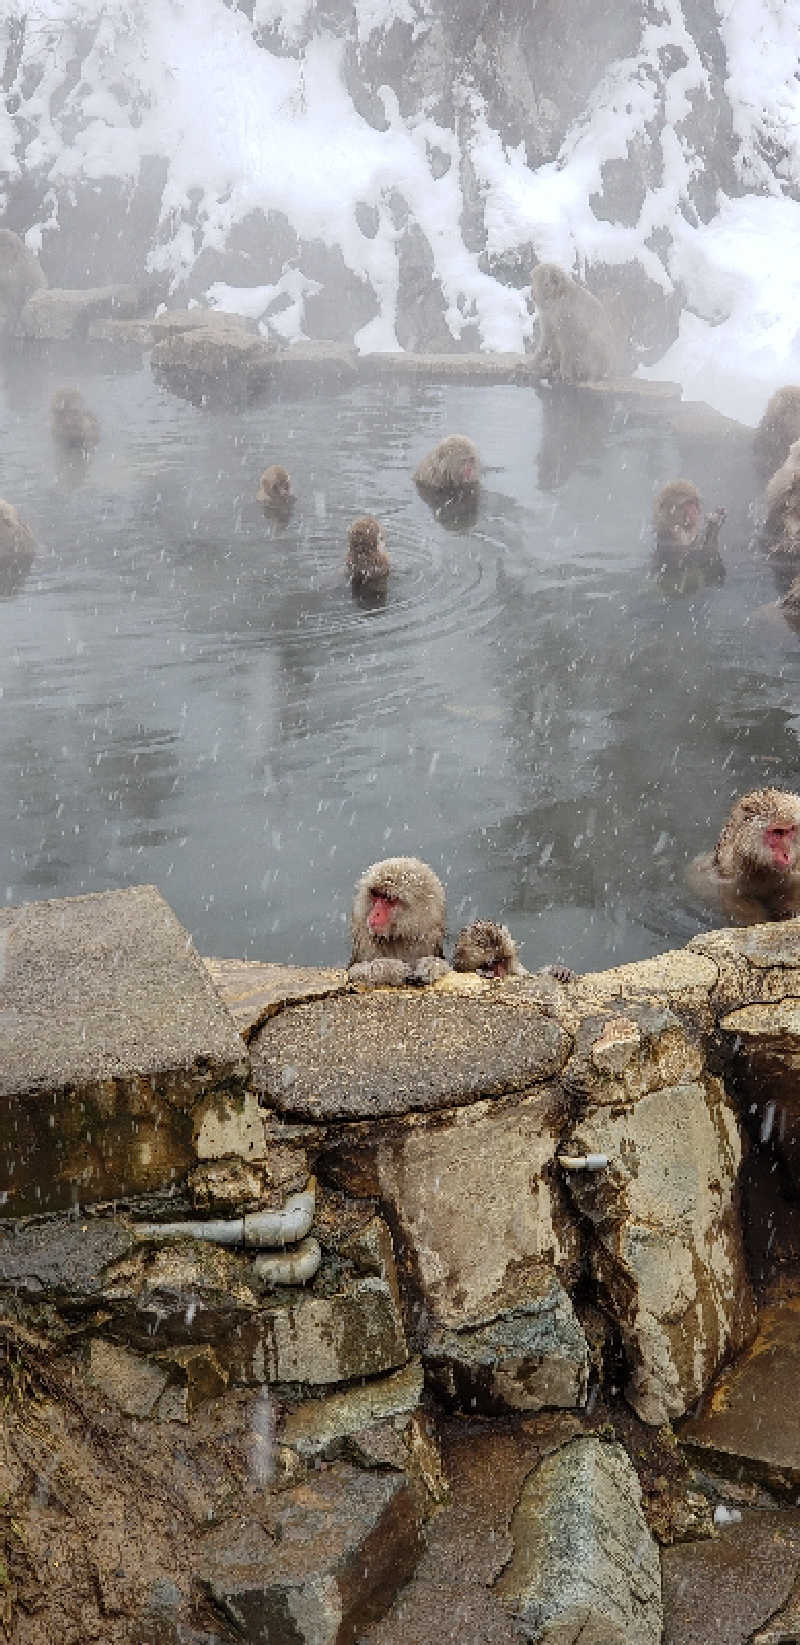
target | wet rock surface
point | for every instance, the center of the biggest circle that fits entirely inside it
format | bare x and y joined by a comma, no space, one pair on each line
254,991
535,1355
54,315
584,1563
393,1051
213,362
750,1422
110,1032
731,1590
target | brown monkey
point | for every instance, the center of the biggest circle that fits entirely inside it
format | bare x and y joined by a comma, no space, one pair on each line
17,549
782,527
367,563
398,924
576,339
20,277
275,489
73,424
678,522
778,429
753,872
790,604
488,948
451,469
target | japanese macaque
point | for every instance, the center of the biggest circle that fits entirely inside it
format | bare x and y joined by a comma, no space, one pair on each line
778,429
576,338
488,948
451,468
790,604
398,925
367,563
678,521
753,872
17,549
74,425
782,527
275,489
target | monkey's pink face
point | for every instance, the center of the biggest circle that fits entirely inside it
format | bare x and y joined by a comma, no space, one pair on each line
780,845
494,968
382,910
468,475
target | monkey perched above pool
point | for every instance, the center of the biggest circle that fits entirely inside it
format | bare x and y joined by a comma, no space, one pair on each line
753,872
398,924
576,342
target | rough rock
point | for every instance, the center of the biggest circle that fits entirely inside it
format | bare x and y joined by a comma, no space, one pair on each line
667,1249
318,1340
56,314
172,322
533,1356
317,1427
720,1591
253,990
358,1056
121,333
473,1195
110,1034
310,365
20,277
750,1422
133,1382
338,1548
214,362
627,1050
584,1563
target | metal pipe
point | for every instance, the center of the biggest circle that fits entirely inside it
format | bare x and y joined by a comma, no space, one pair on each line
256,1230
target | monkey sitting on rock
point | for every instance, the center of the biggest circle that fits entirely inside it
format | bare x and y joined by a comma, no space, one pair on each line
488,948
753,872
398,925
74,426
576,338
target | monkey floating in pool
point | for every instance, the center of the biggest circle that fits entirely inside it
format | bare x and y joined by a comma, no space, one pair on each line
448,478
576,339
753,872
398,924
778,429
781,533
275,489
687,552
74,426
367,563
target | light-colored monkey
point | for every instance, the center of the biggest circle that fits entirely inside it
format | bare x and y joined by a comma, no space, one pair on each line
790,604
679,528
275,488
74,425
452,467
782,526
398,924
576,338
488,948
17,549
778,429
367,563
753,872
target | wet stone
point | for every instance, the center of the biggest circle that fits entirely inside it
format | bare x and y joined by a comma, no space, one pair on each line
56,314
750,1423
110,1033
393,1051
338,1548
254,990
61,1258
317,1427
726,1590
133,1382
532,1357
318,1340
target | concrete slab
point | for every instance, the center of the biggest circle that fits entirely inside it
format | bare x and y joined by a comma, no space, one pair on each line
394,1051
254,990
750,1423
110,1033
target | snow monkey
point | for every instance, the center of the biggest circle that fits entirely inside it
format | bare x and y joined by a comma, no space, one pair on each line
398,924
367,563
753,872
576,340
452,468
782,528
488,948
17,549
678,522
275,488
790,604
74,426
778,429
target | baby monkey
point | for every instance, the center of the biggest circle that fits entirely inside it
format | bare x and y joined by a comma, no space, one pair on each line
678,522
398,923
451,468
74,426
753,872
367,563
275,489
488,948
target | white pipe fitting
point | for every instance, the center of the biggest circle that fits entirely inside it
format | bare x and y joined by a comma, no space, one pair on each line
583,1162
254,1231
294,1267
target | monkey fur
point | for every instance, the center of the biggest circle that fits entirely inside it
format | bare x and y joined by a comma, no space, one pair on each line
74,426
753,872
778,429
488,948
367,563
398,925
453,467
781,532
275,488
576,339
680,534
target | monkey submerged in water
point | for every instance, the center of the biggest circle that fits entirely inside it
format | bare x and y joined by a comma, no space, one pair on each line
367,563
17,549
753,872
576,339
488,948
275,488
781,534
687,549
398,925
451,468
778,429
790,604
74,426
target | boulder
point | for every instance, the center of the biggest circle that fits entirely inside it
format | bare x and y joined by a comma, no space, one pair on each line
253,990
318,1340
726,1591
20,277
54,315
584,1564
219,360
750,1424
532,1356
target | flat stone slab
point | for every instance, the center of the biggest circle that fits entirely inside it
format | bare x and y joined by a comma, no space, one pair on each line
750,1423
110,1033
718,1591
254,990
394,1051
340,1547
774,943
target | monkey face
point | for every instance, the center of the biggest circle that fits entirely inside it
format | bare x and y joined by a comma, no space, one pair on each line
383,910
762,835
779,840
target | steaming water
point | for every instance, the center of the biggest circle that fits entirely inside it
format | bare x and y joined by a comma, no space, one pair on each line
191,696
